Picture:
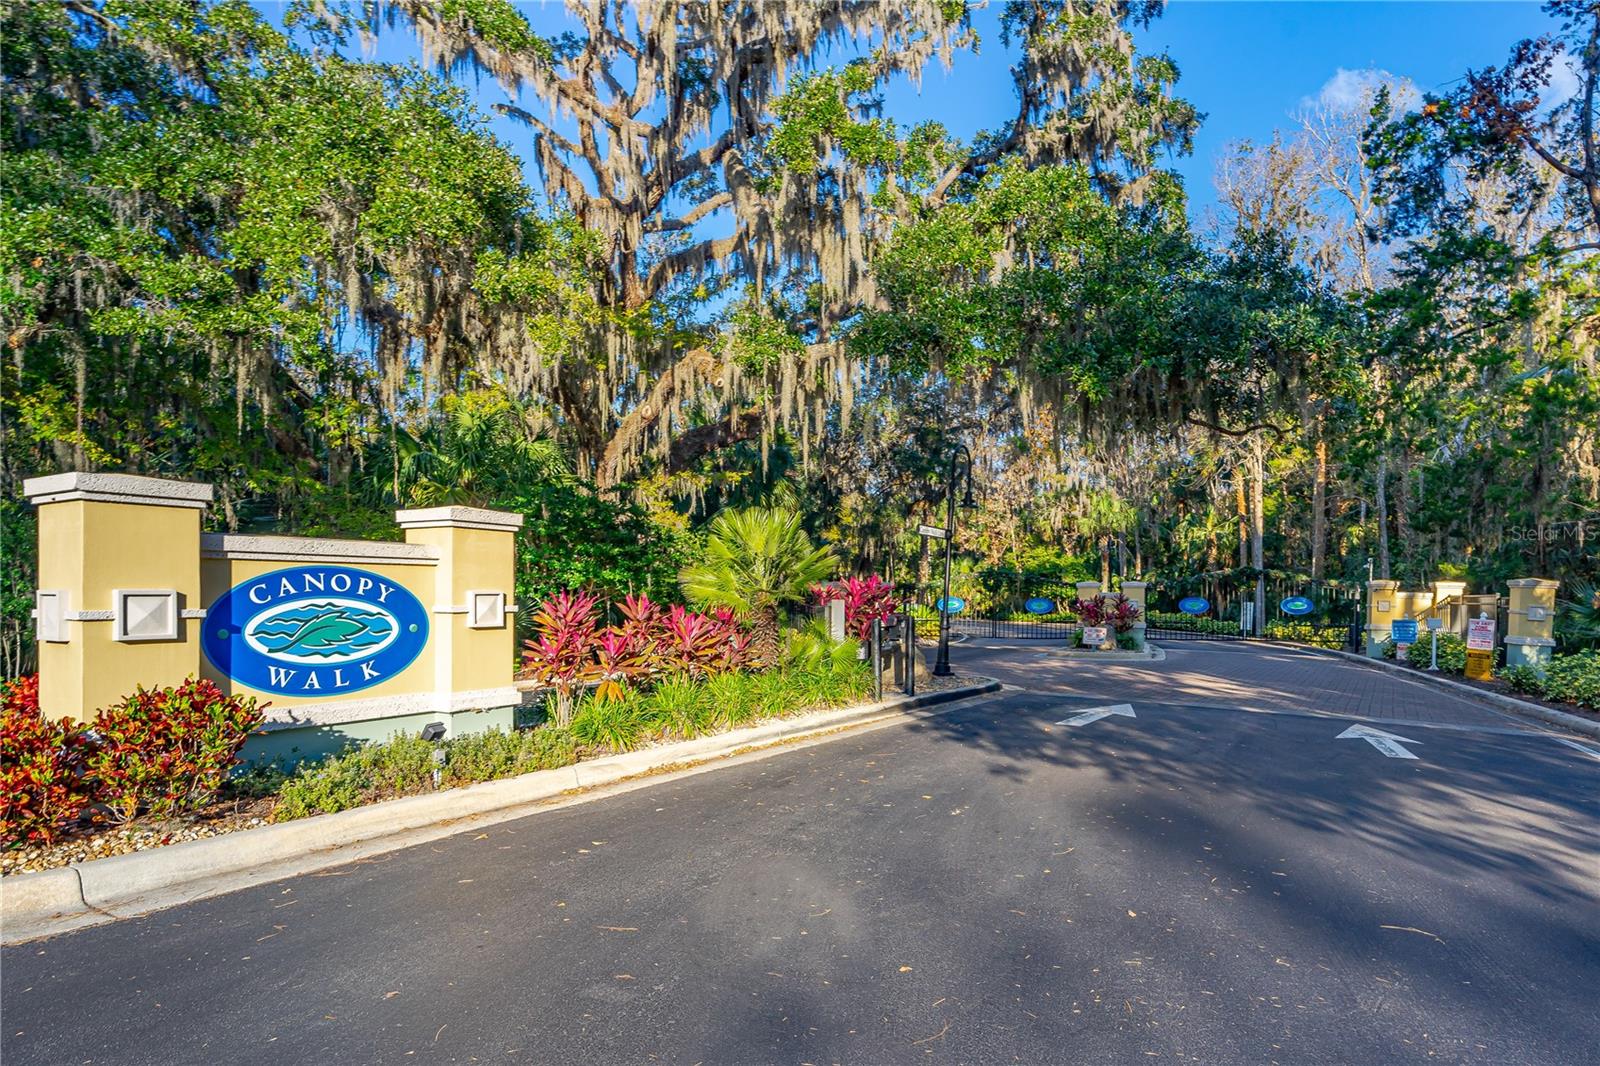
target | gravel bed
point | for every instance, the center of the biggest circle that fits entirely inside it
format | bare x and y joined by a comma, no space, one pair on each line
222,817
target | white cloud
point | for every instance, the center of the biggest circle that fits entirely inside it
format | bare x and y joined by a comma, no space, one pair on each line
1349,90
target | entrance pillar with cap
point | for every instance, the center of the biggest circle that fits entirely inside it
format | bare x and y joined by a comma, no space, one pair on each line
119,586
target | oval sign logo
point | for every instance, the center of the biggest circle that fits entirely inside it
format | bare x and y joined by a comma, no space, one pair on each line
1040,605
1296,605
1194,605
314,631
957,605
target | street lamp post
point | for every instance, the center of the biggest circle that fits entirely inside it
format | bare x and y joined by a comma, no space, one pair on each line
960,465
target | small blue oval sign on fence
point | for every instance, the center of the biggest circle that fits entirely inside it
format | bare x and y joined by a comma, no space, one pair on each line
957,605
1296,605
1040,605
314,631
1194,605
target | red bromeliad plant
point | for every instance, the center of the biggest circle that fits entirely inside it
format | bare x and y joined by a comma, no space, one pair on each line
866,600
573,649
1120,613
567,624
167,751
1116,611
42,789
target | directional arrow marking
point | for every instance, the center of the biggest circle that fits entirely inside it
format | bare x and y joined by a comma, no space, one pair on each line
1094,714
1388,743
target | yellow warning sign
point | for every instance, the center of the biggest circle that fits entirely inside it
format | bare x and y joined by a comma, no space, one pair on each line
1480,665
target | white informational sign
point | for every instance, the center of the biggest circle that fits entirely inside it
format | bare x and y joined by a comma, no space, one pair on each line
1094,636
932,531
1480,634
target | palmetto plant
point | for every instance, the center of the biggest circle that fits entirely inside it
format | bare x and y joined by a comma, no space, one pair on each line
756,560
1578,617
481,449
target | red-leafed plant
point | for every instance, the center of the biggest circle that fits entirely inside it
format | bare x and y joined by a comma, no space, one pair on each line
1091,612
568,628
42,789
168,750
1120,613
866,600
1116,611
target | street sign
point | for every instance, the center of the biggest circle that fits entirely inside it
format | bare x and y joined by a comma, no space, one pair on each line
957,605
1194,605
1040,605
932,531
1296,605
1435,623
1480,634
1403,631
1480,665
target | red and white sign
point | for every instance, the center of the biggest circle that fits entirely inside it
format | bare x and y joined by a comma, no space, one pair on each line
1094,636
1480,634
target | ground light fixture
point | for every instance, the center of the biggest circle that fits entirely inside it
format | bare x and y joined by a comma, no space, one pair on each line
960,467
433,733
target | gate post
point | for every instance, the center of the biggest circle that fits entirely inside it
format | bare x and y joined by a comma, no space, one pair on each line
1383,607
118,603
1137,591
1530,623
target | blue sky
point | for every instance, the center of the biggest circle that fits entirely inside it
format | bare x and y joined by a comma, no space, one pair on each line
1246,65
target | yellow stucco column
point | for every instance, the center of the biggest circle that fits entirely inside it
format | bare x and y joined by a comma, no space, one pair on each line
1383,607
473,640
1137,591
1530,622
119,586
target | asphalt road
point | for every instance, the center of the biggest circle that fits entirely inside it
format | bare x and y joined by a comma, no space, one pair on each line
1194,884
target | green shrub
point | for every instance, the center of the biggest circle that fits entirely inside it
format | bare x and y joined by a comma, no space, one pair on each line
730,695
1574,679
1452,652
403,766
616,724
678,707
1188,623
1523,679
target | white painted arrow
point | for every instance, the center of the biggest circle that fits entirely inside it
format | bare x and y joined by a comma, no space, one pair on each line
1388,743
1094,714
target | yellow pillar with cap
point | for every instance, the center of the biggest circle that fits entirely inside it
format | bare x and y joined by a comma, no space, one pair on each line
118,602
1530,622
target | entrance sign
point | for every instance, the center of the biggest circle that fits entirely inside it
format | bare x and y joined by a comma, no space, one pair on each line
1296,605
314,630
956,605
1480,634
1040,605
938,532
1403,631
1194,605
1094,636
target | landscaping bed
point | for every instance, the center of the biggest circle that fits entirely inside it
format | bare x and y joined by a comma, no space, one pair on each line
404,766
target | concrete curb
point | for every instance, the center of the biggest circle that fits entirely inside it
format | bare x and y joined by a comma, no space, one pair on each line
88,893
1495,699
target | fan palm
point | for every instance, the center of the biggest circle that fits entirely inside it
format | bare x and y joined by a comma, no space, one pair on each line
756,560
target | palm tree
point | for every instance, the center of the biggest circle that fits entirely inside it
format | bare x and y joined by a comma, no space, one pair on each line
757,559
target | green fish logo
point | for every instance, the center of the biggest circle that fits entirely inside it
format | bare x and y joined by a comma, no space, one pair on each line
324,630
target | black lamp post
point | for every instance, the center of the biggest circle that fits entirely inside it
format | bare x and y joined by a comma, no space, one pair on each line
960,466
